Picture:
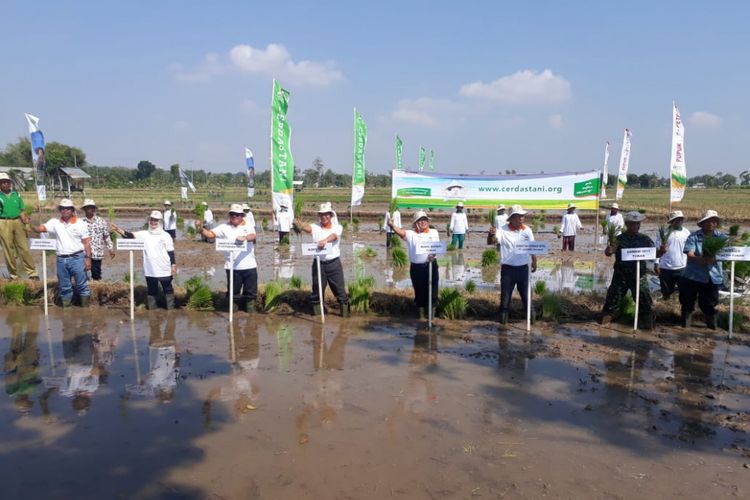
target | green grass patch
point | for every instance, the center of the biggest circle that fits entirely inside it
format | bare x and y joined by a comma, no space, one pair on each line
272,295
470,287
367,252
295,282
359,293
451,304
15,293
552,307
540,287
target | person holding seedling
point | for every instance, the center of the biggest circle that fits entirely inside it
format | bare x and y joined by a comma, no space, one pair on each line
670,245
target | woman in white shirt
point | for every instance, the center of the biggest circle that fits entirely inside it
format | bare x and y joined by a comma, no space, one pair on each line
570,225
419,269
514,271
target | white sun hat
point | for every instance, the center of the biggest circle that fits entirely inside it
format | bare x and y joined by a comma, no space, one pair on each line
710,214
634,216
325,208
155,214
677,214
516,209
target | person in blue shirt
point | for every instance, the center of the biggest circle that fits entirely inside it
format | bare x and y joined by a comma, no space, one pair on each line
703,274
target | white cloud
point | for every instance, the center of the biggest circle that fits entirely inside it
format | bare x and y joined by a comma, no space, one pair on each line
424,111
273,61
248,106
555,121
704,119
522,87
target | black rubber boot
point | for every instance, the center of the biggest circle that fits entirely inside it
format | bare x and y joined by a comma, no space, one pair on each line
711,322
170,301
686,319
504,318
345,311
151,302
250,306
422,313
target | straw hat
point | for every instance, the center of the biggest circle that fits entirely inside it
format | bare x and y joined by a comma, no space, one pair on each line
677,214
420,214
88,202
155,214
325,208
634,216
517,210
710,214
236,208
65,203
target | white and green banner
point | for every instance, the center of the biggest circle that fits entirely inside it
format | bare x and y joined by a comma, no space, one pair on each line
421,158
678,171
399,153
605,174
358,175
622,173
537,191
282,163
432,160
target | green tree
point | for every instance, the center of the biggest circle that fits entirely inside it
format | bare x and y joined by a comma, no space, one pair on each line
144,170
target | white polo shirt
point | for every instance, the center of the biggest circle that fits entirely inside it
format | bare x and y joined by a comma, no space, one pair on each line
69,235
570,224
500,221
459,223
617,220
284,220
396,221
508,238
413,238
170,219
208,216
318,233
675,257
242,260
156,263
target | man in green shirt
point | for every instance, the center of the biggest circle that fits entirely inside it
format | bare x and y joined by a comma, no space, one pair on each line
12,234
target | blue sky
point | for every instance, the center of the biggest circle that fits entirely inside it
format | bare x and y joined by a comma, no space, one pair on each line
490,86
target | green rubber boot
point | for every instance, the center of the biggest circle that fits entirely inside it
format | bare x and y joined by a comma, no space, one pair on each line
85,301
317,311
151,302
170,301
345,310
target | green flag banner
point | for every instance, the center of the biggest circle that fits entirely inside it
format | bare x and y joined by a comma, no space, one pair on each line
282,163
534,191
399,151
358,175
432,160
421,158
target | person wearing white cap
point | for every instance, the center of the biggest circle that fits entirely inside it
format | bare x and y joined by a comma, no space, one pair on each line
12,235
703,275
73,253
672,258
331,272
170,219
208,220
100,238
514,269
459,226
389,232
249,217
284,219
245,267
419,269
615,217
624,275
570,225
159,264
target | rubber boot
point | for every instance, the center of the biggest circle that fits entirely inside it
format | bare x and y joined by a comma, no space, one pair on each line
686,319
711,322
66,302
345,311
85,301
647,322
170,301
317,311
240,304
151,302
504,318
422,313
250,306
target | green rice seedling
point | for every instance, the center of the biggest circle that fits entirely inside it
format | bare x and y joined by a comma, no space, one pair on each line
738,322
734,230
355,224
190,231
395,241
626,310
201,299
366,252
180,223
199,210
392,206
297,207
612,235
470,287
745,236
451,304
451,247
713,245
359,293
295,282
264,224
28,210
604,225
381,222
664,232
284,241
110,219
194,283
15,293
126,277
540,287
344,224
556,230
490,257
272,295
399,257
552,307
491,216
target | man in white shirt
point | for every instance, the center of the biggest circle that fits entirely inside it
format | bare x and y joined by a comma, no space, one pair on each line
570,225
284,219
170,219
615,217
459,226
249,217
208,221
73,253
396,218
500,219
245,267
331,272
672,258
514,271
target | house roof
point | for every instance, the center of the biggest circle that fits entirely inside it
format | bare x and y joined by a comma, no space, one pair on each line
75,173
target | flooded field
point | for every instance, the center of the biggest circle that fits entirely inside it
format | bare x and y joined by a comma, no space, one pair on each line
181,405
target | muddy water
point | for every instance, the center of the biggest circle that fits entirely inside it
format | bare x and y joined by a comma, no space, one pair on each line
183,406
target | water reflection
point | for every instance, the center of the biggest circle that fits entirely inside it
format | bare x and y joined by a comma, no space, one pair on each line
160,381
21,362
692,377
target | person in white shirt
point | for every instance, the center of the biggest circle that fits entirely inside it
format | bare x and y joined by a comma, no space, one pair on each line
159,265
500,219
249,217
73,253
331,272
420,263
514,269
170,219
245,267
672,258
570,225
459,226
615,217
208,221
396,218
284,219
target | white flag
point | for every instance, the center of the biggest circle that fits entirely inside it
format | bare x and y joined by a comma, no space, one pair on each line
622,174
678,171
605,174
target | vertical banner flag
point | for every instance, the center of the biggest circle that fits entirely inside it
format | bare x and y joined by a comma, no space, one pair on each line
622,174
358,176
421,158
678,170
432,160
399,151
38,155
185,181
250,173
605,174
282,163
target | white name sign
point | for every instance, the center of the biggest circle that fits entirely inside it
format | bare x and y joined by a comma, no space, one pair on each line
734,253
230,245
431,248
130,244
643,253
42,244
532,248
312,249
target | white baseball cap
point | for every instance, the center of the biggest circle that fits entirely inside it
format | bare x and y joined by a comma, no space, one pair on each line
615,205
4,176
236,208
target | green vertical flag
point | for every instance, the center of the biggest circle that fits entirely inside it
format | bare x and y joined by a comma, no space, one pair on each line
399,151
421,158
432,160
282,163
358,175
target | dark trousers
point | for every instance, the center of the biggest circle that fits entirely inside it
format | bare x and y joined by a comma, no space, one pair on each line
388,239
153,285
96,269
420,280
668,280
511,277
245,281
332,274
172,233
569,243
707,294
622,282
282,234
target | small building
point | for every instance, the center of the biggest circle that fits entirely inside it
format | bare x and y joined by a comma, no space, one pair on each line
297,185
68,180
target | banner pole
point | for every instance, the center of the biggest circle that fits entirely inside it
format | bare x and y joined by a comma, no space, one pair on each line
44,280
598,209
49,346
731,299
132,290
528,298
320,293
429,293
637,293
231,287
